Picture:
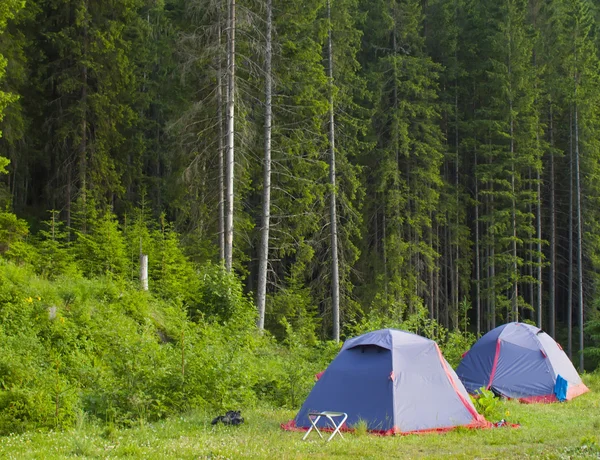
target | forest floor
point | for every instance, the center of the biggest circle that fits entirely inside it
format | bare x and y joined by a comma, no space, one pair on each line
552,431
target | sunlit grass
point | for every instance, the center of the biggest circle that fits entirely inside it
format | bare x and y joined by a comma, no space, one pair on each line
553,431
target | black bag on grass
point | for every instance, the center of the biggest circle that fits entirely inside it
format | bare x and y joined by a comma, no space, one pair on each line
231,417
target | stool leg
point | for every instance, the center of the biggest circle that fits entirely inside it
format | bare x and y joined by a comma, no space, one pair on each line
337,427
313,424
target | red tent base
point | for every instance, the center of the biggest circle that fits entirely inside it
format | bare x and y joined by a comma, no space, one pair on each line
476,424
572,392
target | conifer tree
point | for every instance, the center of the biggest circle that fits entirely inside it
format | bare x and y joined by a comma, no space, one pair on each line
407,158
266,205
8,10
298,185
580,68
507,124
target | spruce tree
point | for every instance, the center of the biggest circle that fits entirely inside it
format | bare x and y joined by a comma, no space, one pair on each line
506,123
405,165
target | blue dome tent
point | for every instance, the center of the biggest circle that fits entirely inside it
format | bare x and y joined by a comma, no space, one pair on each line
520,361
396,382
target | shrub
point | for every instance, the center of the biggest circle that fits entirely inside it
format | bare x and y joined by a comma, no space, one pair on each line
487,404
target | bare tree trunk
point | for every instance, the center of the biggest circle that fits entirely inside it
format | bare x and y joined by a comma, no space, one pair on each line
515,293
84,130
552,284
579,239
447,275
539,244
456,281
263,257
570,256
492,264
535,10
335,276
69,198
477,257
437,275
144,272
221,149
230,136
385,261
454,317
431,282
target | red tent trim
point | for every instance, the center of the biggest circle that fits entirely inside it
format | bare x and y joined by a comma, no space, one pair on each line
476,425
477,418
572,392
495,365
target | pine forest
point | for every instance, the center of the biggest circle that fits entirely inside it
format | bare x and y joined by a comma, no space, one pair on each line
292,173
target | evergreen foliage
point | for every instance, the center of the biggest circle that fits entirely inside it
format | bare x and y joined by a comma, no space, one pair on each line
467,164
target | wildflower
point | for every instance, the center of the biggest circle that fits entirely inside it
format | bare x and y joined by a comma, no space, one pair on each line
39,298
29,299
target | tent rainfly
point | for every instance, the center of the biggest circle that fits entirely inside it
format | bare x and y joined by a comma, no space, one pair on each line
396,382
520,361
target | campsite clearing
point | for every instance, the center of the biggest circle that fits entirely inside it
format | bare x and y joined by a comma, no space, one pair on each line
548,431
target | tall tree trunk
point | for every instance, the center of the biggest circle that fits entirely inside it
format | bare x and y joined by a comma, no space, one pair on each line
515,292
579,238
335,276
263,257
230,135
454,317
477,257
84,129
539,243
570,256
456,281
552,283
385,259
221,148
69,198
437,274
447,274
430,278
492,262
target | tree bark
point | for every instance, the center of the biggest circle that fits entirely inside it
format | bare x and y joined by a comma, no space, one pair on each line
492,264
456,280
515,290
552,283
539,244
84,129
335,276
230,136
579,239
570,256
263,257
144,272
477,260
221,147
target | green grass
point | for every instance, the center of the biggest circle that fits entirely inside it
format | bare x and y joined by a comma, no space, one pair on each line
553,431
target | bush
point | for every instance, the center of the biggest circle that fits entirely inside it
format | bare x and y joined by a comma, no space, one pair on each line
487,404
121,355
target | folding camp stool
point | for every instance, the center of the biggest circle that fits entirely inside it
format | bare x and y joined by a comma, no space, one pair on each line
314,418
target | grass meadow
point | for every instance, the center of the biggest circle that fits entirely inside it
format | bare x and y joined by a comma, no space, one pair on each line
552,431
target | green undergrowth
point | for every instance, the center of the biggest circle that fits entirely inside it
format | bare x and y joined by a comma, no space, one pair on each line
95,368
77,344
102,349
551,431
